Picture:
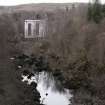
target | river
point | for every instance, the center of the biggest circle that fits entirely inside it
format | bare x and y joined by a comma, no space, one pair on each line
51,91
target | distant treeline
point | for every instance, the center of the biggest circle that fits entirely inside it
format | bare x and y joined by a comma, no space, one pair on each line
96,11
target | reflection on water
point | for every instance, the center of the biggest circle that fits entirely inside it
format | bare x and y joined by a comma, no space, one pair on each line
51,90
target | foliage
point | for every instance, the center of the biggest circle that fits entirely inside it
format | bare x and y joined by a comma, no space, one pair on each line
89,14
69,52
95,12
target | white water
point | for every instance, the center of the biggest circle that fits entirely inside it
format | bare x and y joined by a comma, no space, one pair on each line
46,86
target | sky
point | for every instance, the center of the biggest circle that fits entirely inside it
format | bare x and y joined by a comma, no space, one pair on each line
17,2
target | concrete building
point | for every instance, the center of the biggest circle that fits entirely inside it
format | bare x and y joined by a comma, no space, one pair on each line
34,28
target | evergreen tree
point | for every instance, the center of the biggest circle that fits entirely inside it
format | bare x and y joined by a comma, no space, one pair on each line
89,15
103,10
95,11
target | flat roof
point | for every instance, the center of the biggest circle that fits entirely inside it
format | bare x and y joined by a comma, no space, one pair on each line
33,20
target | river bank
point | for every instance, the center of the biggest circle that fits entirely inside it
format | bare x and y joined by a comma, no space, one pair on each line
82,78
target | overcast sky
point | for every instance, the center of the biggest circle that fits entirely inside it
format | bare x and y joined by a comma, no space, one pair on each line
17,2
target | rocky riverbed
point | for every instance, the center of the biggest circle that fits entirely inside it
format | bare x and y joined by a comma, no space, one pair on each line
37,74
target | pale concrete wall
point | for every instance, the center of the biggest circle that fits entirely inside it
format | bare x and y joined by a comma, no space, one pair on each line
42,27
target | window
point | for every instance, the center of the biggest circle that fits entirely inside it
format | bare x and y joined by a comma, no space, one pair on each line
37,28
29,29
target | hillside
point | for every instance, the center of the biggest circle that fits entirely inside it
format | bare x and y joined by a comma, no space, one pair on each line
45,7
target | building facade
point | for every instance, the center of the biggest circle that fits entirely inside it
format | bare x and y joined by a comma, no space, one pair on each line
35,28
